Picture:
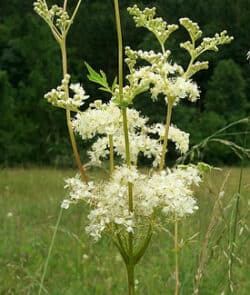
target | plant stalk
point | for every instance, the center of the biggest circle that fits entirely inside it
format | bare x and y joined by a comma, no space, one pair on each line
120,47
68,115
65,5
176,250
161,167
165,142
130,265
233,235
50,251
131,279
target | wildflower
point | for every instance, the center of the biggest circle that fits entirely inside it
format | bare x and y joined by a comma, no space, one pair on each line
106,119
180,138
59,97
65,204
169,192
157,26
173,84
55,16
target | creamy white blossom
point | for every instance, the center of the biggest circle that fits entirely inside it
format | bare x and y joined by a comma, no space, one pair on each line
168,192
59,97
163,76
167,77
156,25
65,204
56,17
106,119
139,143
179,137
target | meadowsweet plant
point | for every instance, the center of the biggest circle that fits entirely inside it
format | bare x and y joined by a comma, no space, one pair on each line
60,22
132,206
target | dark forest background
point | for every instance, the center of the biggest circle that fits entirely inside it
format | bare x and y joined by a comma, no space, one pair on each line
33,132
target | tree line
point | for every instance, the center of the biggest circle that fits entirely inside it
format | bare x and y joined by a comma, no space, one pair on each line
33,132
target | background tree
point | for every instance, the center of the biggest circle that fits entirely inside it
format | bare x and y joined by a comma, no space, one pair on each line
31,132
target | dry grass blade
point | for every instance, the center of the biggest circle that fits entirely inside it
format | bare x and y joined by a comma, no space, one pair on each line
210,229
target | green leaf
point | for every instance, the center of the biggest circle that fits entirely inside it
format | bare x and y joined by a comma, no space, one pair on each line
204,167
105,89
114,84
100,79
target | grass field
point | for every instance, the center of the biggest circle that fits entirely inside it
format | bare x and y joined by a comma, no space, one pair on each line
29,206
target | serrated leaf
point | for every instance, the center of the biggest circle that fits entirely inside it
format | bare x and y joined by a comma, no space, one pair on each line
105,89
114,84
97,78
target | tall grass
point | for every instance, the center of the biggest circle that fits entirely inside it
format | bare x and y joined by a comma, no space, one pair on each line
29,204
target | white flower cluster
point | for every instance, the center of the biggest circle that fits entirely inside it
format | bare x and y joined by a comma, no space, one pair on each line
157,26
179,137
53,16
156,197
98,119
59,97
106,120
163,77
168,192
77,191
139,143
174,190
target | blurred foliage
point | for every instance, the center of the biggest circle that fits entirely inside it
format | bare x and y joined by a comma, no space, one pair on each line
33,132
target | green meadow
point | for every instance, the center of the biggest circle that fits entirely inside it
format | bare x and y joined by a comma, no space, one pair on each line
29,207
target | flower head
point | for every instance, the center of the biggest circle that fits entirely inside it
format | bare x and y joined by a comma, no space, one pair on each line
59,97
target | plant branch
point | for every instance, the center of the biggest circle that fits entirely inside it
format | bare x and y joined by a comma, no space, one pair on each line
165,142
68,115
65,5
144,247
73,15
130,266
176,251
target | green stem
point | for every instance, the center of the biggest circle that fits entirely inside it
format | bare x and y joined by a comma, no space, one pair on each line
237,203
126,136
65,5
142,250
163,48
162,164
187,75
111,155
165,142
68,115
130,265
120,246
236,214
131,279
50,251
176,248
120,47
73,15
